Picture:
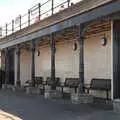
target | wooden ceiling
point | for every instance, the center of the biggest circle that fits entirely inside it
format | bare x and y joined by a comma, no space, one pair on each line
72,34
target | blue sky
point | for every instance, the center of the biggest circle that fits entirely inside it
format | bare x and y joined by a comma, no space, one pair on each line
10,9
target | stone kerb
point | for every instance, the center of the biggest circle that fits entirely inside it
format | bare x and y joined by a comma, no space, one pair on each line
49,93
81,98
32,90
116,105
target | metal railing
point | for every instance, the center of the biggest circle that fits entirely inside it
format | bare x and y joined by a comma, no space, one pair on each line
34,15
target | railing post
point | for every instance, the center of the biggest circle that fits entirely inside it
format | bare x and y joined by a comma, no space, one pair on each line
68,2
52,7
39,8
12,26
6,29
20,21
1,31
28,17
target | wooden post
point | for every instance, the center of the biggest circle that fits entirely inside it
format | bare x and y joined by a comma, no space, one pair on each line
12,26
68,2
52,7
53,50
81,60
28,17
18,82
33,64
6,29
20,21
39,8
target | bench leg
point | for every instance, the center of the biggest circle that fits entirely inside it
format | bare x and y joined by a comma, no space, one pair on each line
107,94
88,90
75,89
62,90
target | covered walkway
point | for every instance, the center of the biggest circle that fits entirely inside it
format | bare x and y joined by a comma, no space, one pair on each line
30,107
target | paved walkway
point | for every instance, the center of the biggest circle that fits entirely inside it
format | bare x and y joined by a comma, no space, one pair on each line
33,107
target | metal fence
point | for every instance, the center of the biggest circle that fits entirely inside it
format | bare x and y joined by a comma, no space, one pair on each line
34,15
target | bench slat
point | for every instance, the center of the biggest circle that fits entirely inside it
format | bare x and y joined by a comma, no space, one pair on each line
100,84
71,82
50,82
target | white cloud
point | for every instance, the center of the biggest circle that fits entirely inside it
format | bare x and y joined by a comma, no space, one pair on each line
10,9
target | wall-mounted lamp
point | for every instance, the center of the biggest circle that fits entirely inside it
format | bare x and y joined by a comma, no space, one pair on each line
38,53
103,41
74,46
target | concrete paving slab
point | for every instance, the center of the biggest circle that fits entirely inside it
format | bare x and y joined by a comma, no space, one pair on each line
35,107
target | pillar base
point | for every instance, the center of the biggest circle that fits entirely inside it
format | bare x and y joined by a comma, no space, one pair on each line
32,90
116,106
6,86
52,94
13,89
18,83
16,88
81,98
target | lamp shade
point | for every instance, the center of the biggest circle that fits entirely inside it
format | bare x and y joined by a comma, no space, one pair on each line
103,41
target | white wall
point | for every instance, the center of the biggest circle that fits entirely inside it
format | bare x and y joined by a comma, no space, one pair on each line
25,66
43,62
97,60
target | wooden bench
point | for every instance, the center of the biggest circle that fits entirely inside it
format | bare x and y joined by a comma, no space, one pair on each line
50,82
38,81
71,83
100,84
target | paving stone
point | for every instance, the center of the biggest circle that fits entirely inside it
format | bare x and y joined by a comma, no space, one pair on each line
36,107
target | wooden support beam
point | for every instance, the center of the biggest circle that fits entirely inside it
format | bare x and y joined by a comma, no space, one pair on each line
18,82
33,63
53,50
81,59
